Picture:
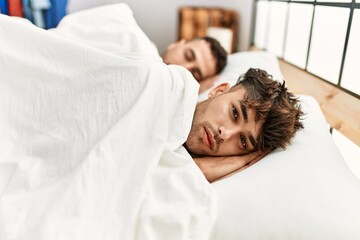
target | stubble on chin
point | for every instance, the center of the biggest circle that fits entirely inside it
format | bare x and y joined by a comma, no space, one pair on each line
194,141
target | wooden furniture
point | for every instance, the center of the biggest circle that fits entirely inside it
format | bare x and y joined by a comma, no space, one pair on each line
195,22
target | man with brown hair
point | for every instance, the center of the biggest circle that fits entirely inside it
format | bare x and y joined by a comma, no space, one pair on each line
204,57
238,126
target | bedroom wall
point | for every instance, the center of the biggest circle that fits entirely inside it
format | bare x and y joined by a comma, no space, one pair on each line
158,18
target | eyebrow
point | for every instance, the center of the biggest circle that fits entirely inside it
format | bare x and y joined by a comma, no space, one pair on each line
245,116
243,111
252,140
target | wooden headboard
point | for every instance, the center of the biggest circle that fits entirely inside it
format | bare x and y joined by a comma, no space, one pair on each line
194,21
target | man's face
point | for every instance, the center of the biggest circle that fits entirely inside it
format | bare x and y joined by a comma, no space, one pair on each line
223,126
194,55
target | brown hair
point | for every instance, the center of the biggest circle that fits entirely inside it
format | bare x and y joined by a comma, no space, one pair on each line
218,52
278,110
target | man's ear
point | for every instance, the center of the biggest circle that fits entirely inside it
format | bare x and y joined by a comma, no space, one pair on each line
220,89
175,44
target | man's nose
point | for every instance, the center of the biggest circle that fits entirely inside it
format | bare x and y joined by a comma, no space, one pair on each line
228,132
189,65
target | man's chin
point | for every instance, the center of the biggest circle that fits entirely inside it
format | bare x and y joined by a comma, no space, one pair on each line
195,152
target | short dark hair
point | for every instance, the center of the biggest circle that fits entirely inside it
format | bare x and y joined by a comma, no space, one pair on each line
218,52
278,110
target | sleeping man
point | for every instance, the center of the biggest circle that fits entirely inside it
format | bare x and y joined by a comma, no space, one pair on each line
204,57
247,120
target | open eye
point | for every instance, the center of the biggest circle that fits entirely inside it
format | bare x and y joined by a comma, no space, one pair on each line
235,113
243,141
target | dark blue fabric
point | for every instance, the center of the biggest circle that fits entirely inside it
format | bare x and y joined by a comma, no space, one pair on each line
55,13
3,7
27,10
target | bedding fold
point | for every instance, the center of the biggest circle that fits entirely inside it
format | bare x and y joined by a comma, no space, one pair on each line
91,143
111,28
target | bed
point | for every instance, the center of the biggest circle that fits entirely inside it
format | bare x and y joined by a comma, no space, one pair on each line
304,192
91,146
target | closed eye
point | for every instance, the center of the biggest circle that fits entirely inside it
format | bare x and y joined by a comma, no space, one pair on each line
196,73
189,55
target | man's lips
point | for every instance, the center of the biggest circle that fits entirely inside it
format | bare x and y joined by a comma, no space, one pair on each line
208,139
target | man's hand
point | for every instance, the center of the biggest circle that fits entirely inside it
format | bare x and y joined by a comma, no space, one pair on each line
215,168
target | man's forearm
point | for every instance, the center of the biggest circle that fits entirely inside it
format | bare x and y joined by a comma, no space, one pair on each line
215,168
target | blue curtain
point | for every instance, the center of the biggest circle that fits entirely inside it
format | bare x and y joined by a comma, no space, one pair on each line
55,13
3,7
27,11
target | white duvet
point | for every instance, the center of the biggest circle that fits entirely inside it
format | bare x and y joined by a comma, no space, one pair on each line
90,143
111,28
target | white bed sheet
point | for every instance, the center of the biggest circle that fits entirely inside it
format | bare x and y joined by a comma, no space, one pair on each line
91,143
111,28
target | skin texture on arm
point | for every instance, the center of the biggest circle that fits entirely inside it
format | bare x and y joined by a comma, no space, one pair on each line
216,168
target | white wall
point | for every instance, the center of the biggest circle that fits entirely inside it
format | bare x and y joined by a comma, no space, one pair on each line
159,19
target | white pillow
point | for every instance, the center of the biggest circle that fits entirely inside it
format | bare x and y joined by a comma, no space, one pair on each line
305,192
239,63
